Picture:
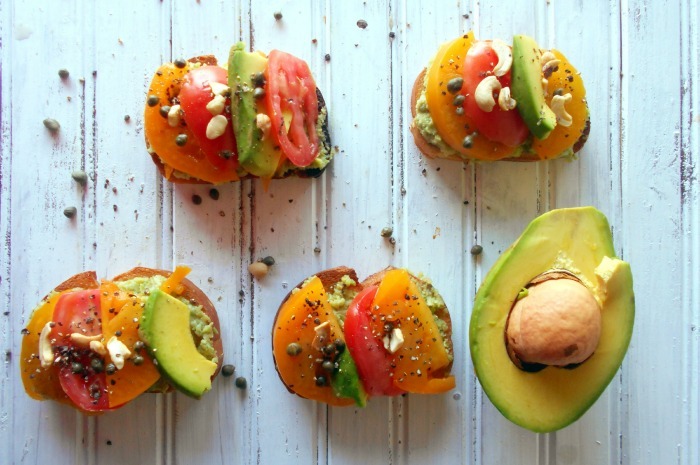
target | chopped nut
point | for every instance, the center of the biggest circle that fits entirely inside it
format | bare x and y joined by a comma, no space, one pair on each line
46,356
84,341
258,270
558,107
174,116
218,88
118,352
484,93
505,101
505,57
262,121
394,340
216,127
217,105
98,347
323,334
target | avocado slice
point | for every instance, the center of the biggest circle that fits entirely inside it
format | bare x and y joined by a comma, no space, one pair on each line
257,154
526,87
165,328
346,381
575,241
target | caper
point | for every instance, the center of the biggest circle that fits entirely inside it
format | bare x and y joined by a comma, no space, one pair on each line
258,79
328,366
339,345
361,23
387,232
458,100
277,15
227,370
139,345
152,100
70,212
214,194
320,381
459,111
97,365
164,110
63,73
329,349
293,349
80,177
180,63
454,85
269,261
241,382
127,118
110,369
259,92
181,140
52,125
76,367
225,154
476,249
467,142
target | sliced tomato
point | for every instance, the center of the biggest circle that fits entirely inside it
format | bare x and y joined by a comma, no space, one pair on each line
79,312
374,362
452,127
291,97
161,138
194,96
421,362
301,369
498,125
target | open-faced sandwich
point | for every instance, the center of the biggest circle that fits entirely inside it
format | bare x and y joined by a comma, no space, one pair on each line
97,345
552,320
340,341
485,100
256,116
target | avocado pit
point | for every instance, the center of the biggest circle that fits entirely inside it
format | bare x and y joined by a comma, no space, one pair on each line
557,322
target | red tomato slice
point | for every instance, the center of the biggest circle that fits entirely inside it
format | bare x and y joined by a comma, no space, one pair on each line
506,127
194,96
367,349
79,312
291,90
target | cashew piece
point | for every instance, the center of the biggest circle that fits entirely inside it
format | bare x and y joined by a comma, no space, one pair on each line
505,101
505,57
558,107
549,63
484,93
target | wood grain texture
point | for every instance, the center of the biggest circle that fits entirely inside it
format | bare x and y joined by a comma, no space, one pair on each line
640,64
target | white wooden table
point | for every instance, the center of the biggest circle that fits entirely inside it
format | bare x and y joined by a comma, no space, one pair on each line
640,166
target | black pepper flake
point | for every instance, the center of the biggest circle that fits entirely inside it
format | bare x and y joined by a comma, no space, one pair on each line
277,15
328,57
214,194
392,34
196,199
241,382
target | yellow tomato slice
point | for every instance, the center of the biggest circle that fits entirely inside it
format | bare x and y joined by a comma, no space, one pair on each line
132,380
173,284
451,127
296,321
422,359
40,383
160,136
564,80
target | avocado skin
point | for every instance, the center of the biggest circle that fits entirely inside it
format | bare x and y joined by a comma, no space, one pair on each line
545,399
526,87
346,381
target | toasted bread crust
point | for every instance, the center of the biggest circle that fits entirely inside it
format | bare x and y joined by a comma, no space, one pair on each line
432,151
332,276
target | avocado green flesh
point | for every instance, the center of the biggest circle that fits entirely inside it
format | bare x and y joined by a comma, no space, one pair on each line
346,381
257,154
577,240
526,87
165,327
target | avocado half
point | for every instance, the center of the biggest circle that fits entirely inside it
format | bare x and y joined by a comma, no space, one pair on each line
577,240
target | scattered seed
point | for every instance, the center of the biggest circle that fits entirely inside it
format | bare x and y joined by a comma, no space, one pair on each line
63,73
180,63
387,232
70,212
278,15
241,382
196,199
227,370
361,23
152,100
181,140
269,261
52,125
258,270
80,177
476,249
214,194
